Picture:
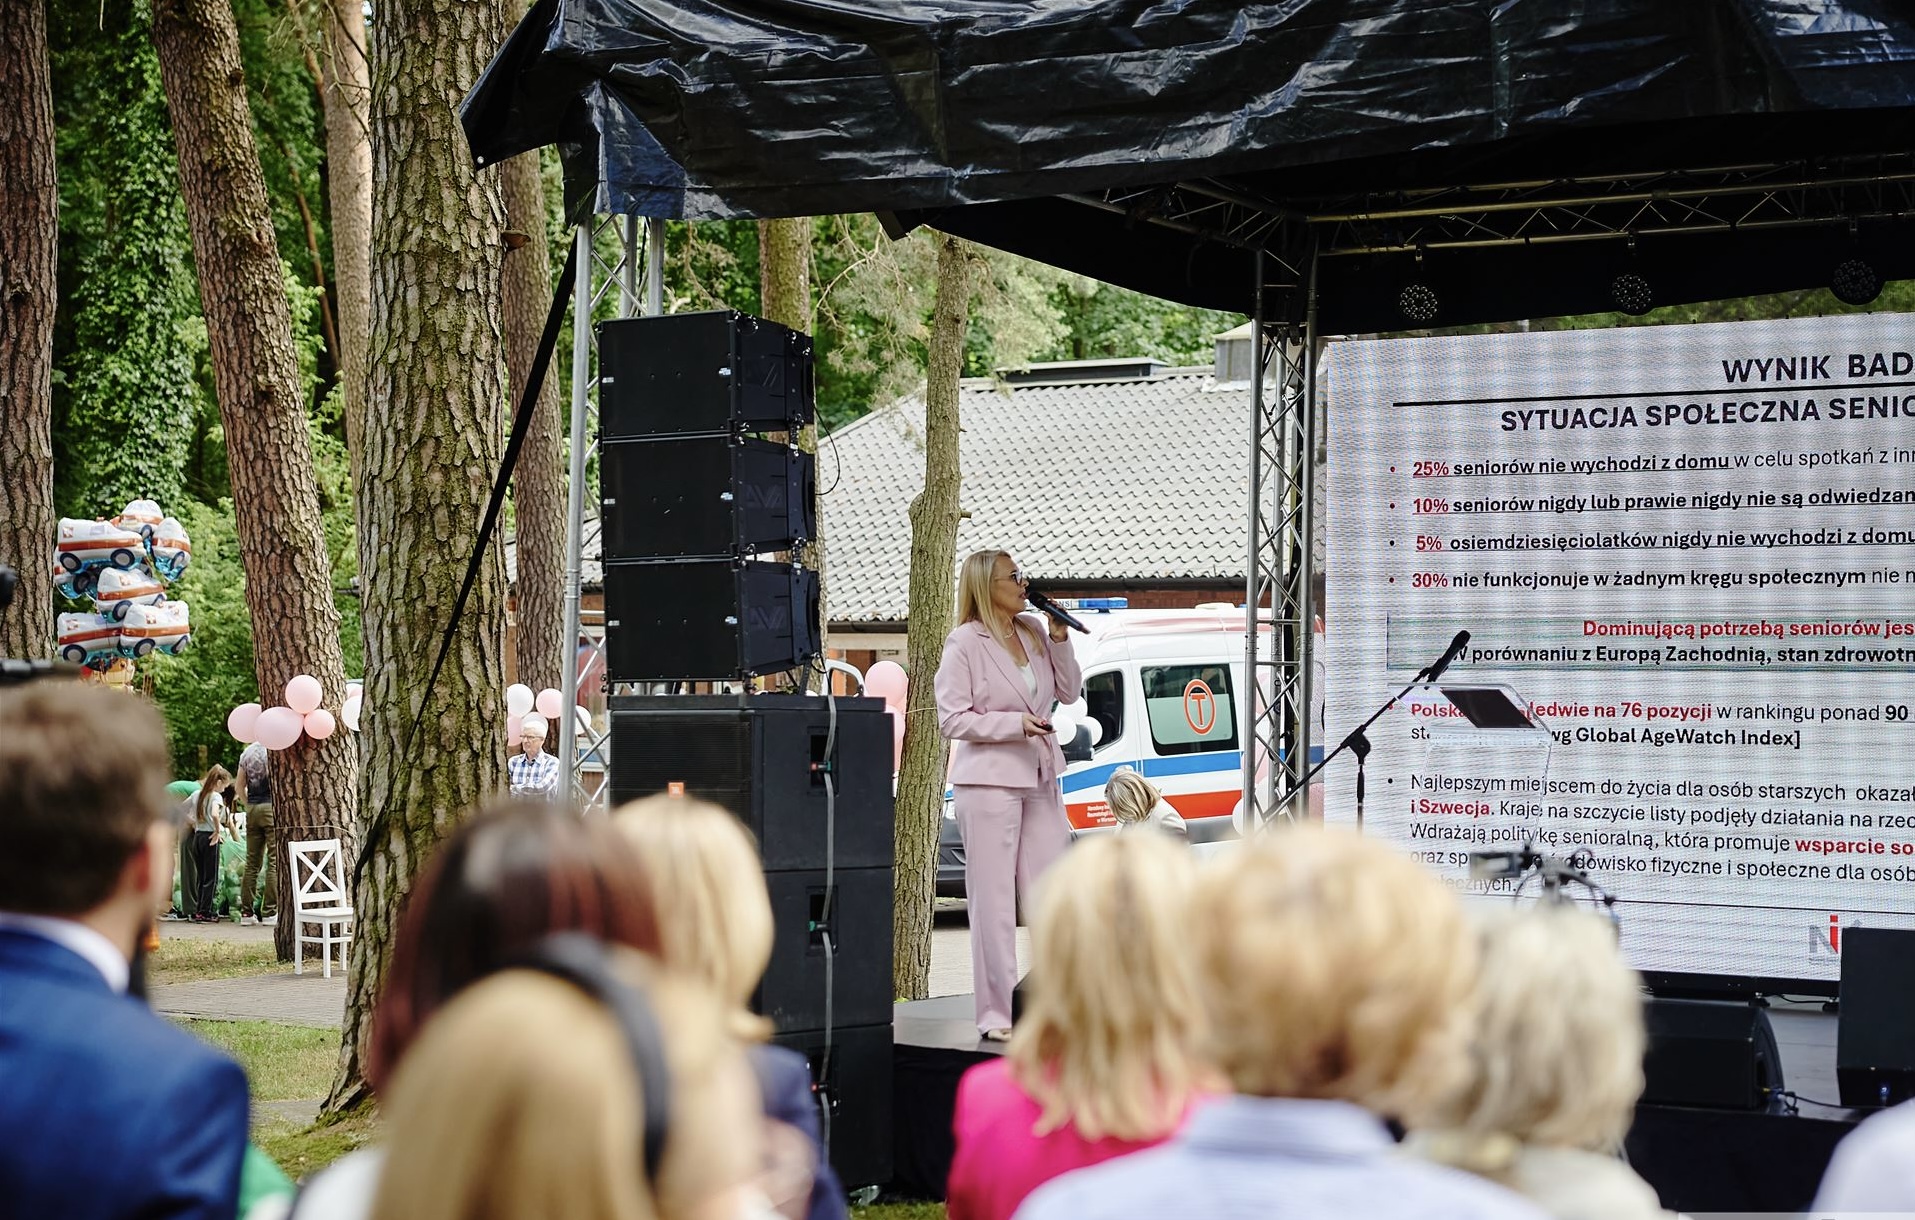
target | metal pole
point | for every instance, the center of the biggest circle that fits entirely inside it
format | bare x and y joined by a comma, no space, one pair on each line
1306,679
654,267
1252,676
575,513
628,269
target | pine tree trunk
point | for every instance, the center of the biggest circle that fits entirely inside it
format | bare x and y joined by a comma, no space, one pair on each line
268,442
784,292
432,442
347,99
934,522
29,238
538,486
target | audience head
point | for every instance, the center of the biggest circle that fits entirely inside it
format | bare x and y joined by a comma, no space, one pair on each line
1334,967
1556,1038
1108,1041
515,873
83,806
1130,796
521,1098
706,872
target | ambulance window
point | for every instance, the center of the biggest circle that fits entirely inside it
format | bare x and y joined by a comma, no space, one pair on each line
1189,708
1104,699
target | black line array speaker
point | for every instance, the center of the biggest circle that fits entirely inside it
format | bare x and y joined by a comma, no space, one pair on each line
1875,1033
704,496
1711,1054
714,372
854,1086
762,759
765,758
707,618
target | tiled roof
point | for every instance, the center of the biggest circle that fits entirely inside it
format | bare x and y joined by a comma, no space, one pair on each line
1133,480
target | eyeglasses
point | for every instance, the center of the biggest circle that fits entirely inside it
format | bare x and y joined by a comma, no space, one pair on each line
1016,577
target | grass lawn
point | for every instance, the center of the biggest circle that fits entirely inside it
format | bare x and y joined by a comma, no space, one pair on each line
900,1211
185,960
282,1062
303,1151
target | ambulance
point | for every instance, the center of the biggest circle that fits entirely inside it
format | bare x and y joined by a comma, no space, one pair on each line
1164,695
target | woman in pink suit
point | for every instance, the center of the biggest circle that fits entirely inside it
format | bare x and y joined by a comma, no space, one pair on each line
1000,673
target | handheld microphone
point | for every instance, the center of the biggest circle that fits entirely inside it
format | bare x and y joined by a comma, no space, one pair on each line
1449,655
1054,610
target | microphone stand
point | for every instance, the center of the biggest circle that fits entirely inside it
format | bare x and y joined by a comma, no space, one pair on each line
1357,744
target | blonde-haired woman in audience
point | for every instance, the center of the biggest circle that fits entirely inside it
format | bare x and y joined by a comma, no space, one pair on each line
1135,801
521,1098
1103,1061
1335,973
714,923
1556,1067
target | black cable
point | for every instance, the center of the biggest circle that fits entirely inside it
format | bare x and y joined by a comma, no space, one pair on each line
1793,1097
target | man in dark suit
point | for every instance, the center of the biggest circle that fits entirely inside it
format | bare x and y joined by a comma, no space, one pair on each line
106,1110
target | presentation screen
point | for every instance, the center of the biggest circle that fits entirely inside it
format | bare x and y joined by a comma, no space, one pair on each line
1687,554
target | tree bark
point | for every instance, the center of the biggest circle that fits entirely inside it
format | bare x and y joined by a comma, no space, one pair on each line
346,94
934,522
432,443
538,485
784,293
268,442
29,240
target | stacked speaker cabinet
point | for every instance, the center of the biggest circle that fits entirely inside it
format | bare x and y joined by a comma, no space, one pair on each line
691,498
1875,1034
811,778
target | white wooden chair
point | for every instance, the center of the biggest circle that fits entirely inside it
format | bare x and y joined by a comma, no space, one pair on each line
319,897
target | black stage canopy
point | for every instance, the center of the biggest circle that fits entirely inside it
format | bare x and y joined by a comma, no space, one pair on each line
1448,163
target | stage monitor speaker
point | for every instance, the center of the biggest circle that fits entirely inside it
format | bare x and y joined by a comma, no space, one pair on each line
764,759
712,496
707,619
853,968
1710,1054
684,373
853,1079
1875,1033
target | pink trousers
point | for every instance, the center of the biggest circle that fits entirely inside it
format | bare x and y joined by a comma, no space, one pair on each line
1011,835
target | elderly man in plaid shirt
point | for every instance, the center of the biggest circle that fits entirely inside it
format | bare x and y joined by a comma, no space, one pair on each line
533,772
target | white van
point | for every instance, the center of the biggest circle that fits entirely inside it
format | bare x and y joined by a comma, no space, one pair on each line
1164,689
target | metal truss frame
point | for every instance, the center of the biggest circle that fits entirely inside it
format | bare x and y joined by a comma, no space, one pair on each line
610,250
1279,642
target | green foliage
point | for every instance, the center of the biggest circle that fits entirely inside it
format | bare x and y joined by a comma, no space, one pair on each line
1104,321
214,675
127,341
287,124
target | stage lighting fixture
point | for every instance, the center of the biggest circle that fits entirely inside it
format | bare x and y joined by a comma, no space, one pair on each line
1417,302
1855,282
1632,294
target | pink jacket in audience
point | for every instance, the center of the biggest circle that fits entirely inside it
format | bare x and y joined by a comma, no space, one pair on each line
998,1160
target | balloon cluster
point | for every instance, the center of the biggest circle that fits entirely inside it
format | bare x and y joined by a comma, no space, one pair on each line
887,681
122,567
525,711
277,728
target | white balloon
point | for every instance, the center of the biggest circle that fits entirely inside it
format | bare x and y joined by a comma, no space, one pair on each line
349,713
1065,724
1095,730
518,699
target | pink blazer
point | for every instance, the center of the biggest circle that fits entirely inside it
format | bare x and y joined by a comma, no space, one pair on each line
982,701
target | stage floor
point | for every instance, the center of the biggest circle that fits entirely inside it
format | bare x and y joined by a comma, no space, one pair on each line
1698,1160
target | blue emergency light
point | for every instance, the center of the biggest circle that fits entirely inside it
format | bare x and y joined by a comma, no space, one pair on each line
1094,603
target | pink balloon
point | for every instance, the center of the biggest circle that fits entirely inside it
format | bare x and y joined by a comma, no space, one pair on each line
887,681
279,727
243,722
550,703
897,741
512,726
320,724
303,693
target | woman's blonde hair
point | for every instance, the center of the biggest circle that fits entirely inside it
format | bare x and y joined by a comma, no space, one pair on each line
1557,1043
1334,967
520,1099
1130,796
1107,1044
708,886
974,603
